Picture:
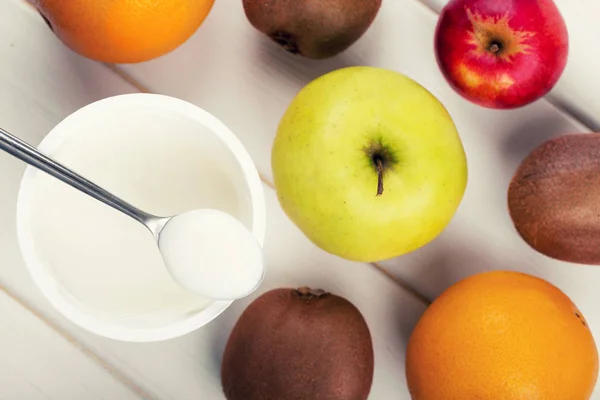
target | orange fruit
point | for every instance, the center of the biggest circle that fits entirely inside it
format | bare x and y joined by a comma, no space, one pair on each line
502,336
123,31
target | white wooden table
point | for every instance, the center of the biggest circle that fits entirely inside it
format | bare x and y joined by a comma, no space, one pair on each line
237,74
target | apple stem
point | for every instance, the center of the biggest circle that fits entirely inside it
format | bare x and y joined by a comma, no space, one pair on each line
379,177
494,48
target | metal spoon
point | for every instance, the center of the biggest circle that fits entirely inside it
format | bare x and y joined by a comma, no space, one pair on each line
233,262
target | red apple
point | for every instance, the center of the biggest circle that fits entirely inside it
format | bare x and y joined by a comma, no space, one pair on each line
501,53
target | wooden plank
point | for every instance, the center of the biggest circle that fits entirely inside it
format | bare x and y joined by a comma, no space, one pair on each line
187,367
39,363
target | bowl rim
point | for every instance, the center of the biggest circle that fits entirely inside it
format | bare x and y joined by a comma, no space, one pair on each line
46,282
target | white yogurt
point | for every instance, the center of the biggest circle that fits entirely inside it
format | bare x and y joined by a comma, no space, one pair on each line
210,252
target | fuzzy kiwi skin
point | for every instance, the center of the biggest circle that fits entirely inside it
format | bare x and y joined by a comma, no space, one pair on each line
554,198
315,29
298,344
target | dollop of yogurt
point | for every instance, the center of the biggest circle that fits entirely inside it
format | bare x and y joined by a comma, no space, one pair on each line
212,253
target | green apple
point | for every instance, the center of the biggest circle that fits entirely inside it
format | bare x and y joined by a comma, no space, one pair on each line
368,164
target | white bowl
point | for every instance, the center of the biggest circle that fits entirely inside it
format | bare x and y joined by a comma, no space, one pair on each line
121,143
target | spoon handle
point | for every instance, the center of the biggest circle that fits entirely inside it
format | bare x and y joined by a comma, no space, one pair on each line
25,152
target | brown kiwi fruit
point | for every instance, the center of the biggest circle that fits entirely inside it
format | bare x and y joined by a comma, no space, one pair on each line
312,28
298,344
554,198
